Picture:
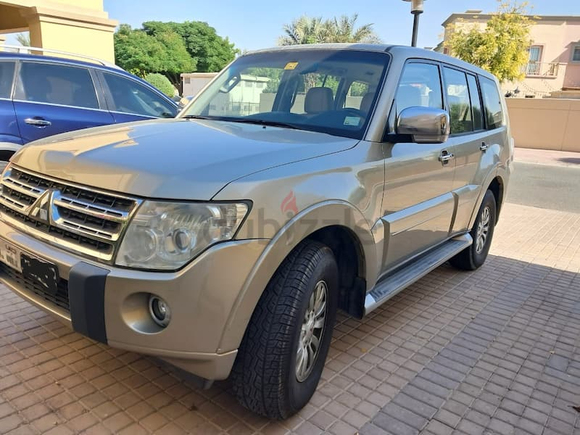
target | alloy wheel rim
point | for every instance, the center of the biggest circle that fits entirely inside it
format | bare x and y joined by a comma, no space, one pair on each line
311,332
483,230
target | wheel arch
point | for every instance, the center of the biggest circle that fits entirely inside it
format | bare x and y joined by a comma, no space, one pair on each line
350,258
497,188
496,182
337,222
7,149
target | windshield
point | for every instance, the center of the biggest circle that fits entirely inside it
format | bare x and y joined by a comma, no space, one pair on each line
327,91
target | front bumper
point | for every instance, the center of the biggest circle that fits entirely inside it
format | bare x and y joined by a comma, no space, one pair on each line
109,304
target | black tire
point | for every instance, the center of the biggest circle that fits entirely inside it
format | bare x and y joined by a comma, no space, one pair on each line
264,377
471,258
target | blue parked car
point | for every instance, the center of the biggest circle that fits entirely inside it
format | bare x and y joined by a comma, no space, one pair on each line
44,95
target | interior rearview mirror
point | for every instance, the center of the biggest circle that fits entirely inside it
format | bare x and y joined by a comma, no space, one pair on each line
424,124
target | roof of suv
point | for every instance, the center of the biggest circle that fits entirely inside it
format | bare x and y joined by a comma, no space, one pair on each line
68,61
399,50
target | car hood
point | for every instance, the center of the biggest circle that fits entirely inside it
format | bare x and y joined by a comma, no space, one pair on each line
172,159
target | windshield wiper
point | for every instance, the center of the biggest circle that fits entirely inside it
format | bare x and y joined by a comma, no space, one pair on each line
200,117
244,121
264,122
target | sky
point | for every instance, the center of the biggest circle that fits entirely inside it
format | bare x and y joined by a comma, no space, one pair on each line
253,24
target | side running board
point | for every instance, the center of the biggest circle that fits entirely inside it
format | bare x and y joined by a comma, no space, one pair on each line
391,285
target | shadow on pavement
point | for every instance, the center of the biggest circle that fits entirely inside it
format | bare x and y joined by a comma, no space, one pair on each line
572,160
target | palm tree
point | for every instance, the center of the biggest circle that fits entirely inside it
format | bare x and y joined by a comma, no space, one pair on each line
312,30
344,29
23,39
304,30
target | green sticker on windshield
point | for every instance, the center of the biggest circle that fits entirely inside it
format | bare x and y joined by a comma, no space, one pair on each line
353,121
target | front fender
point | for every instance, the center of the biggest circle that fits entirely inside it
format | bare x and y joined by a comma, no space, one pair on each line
308,221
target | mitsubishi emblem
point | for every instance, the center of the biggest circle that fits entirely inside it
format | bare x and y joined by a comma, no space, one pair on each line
39,209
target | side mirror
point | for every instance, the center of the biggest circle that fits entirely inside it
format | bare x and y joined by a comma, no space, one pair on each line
424,124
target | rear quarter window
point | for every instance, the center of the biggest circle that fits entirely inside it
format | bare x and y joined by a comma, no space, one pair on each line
6,78
492,103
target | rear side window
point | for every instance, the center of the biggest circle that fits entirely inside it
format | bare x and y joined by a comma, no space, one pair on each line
475,103
492,103
57,84
420,86
457,93
131,97
6,78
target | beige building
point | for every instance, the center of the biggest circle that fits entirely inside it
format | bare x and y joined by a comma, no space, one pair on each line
76,26
554,57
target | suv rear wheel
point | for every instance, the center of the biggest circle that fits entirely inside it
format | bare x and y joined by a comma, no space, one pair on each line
482,232
284,349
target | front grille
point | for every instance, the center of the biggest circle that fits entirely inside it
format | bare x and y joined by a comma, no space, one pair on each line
60,298
74,217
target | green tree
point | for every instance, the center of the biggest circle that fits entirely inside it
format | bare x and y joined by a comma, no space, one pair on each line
313,30
210,51
161,82
502,47
141,53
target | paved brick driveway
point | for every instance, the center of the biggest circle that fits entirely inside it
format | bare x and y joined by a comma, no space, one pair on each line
494,352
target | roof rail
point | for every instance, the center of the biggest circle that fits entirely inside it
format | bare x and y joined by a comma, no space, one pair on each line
58,53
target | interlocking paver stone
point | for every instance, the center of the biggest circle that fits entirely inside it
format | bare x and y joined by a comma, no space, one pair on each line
495,351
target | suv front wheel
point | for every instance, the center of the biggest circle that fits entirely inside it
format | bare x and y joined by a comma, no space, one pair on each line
283,352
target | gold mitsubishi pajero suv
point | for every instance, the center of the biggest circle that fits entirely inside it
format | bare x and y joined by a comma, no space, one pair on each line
300,181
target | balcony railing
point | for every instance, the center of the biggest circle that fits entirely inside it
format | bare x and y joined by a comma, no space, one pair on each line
538,69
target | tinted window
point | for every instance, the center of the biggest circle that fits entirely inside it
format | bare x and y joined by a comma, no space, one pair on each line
6,77
131,97
420,86
475,103
457,94
492,103
57,84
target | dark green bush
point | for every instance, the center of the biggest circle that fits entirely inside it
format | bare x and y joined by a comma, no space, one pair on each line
161,82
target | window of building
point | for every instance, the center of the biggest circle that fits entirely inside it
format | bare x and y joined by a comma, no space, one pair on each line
534,60
576,53
56,84
492,103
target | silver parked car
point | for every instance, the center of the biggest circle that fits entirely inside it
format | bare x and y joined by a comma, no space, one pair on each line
302,180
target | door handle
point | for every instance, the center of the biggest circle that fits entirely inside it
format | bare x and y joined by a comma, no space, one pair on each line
445,157
38,122
483,147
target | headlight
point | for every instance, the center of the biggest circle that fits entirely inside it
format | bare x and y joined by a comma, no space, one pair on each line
167,235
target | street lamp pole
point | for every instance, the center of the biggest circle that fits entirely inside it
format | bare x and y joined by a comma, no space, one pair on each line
416,10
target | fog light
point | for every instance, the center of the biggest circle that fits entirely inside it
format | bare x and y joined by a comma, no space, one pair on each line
159,311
